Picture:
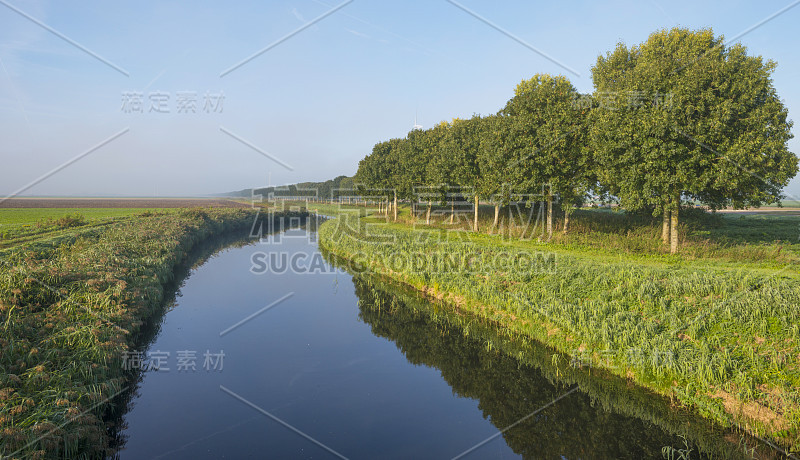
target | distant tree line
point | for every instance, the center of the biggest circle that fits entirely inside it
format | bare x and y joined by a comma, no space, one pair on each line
681,117
313,191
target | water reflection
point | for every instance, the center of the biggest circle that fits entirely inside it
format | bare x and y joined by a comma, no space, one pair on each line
607,418
151,329
311,362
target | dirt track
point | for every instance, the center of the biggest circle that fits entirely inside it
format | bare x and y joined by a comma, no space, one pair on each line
120,203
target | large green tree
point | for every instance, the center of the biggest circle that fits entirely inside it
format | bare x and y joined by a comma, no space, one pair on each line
499,176
685,116
378,172
426,178
547,136
454,163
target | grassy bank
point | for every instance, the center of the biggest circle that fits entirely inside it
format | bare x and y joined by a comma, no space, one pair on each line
512,377
69,308
716,333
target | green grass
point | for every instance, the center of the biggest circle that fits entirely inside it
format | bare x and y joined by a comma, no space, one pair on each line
24,225
725,309
498,376
788,204
30,216
69,307
766,239
721,318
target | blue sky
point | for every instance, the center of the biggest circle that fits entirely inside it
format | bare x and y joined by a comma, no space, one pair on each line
316,102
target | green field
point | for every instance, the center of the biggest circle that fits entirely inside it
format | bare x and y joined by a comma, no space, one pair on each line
30,216
23,225
716,327
789,204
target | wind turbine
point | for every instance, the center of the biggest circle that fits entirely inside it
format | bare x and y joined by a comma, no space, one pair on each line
416,126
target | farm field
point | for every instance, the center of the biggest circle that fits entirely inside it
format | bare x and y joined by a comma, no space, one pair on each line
715,327
117,203
24,220
32,216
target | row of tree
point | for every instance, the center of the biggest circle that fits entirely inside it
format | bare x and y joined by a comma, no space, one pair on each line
312,191
681,117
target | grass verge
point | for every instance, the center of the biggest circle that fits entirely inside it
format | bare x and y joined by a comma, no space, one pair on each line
69,308
512,376
720,336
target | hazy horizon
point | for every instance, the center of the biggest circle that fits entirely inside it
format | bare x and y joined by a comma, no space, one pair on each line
316,99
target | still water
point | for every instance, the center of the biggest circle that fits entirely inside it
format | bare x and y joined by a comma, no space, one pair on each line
319,363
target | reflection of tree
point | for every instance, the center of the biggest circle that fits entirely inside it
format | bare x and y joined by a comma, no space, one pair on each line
606,419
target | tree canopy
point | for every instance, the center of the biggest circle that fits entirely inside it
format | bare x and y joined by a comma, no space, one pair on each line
681,117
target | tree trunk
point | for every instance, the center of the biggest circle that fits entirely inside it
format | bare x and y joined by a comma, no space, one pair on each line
549,216
496,215
665,226
395,206
428,214
673,236
475,224
566,221
452,213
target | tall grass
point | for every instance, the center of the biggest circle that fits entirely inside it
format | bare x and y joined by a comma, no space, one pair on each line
69,308
22,225
723,339
505,372
703,235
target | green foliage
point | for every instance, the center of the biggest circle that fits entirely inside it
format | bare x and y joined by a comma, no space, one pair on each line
329,189
379,171
546,135
72,220
681,118
455,160
69,308
729,329
511,377
684,115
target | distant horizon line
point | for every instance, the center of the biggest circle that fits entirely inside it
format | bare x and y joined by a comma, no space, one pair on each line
23,197
202,196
